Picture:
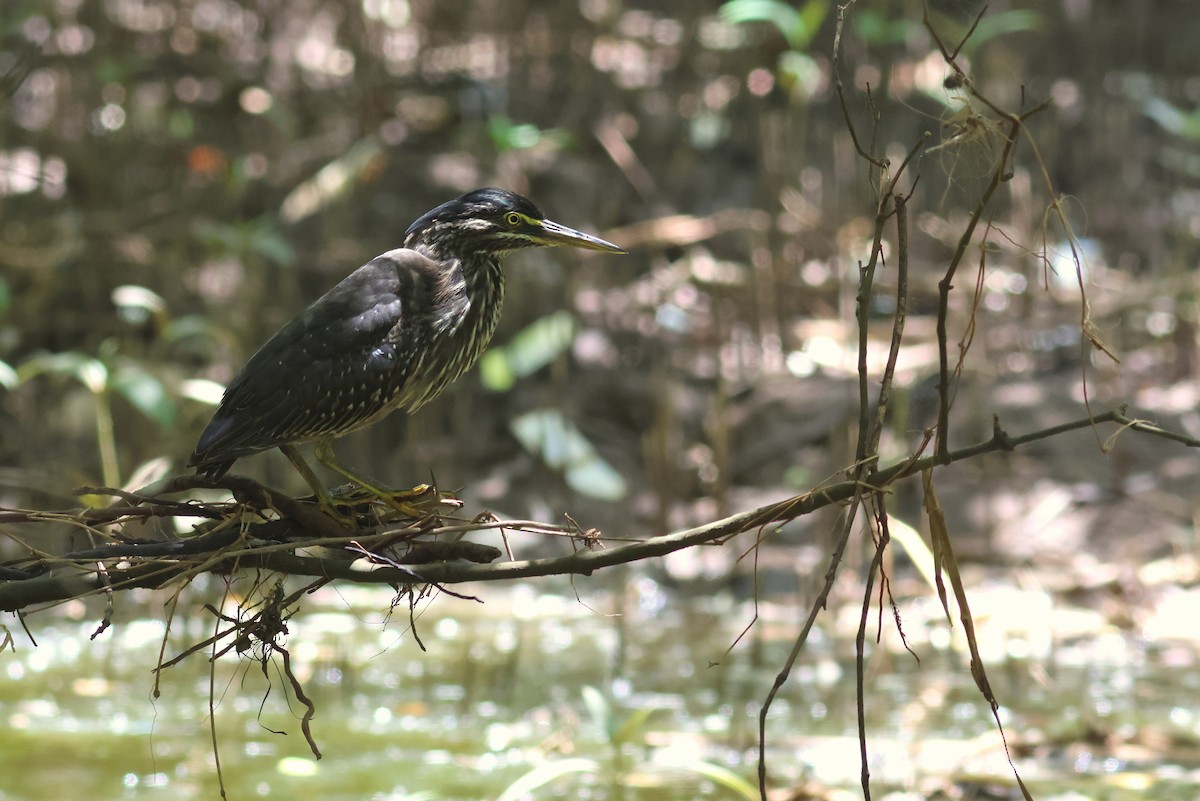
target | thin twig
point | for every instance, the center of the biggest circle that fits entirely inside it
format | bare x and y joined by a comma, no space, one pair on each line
51,588
941,444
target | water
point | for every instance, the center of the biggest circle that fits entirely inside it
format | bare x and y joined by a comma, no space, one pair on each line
627,690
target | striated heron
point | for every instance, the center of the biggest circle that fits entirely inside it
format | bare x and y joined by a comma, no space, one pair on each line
390,336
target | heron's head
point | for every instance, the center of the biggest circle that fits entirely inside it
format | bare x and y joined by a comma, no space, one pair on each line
494,221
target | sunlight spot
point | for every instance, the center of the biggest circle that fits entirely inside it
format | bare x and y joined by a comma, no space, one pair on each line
255,100
760,82
111,117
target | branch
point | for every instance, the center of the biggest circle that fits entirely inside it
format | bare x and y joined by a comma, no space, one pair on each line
72,580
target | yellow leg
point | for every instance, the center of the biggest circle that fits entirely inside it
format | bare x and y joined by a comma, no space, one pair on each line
310,478
325,501
393,498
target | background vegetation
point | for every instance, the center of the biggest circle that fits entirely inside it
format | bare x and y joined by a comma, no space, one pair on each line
181,178
177,179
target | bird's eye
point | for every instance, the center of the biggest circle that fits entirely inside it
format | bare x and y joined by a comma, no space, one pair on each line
513,219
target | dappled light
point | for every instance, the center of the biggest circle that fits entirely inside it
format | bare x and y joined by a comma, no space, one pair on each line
868,471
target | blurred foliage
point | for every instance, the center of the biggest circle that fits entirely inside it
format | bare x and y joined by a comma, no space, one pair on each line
332,182
259,237
106,375
797,24
8,375
562,446
797,70
539,344
180,177
507,135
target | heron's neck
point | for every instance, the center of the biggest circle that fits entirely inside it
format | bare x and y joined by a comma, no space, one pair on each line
470,294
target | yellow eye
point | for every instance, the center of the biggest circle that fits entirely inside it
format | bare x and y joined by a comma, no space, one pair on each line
513,219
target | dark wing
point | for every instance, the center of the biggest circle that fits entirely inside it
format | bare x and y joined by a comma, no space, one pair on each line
340,363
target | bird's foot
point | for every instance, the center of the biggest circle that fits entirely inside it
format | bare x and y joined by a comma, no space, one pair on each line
411,501
417,502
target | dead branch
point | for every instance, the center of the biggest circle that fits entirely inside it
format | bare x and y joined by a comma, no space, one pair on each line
283,546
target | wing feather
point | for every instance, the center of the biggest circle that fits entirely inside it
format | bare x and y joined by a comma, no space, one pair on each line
336,366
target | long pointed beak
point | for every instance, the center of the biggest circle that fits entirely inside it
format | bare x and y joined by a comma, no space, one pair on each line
553,233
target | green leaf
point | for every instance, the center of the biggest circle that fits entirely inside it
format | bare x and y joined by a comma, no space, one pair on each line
910,540
544,774
507,135
137,304
562,446
1174,120
534,347
798,25
633,730
723,777
993,26
332,181
87,370
779,14
599,709
191,325
257,237
800,74
145,393
813,15
495,371
876,29
202,390
269,243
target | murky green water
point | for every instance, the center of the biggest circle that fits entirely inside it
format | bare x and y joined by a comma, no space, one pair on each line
501,690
